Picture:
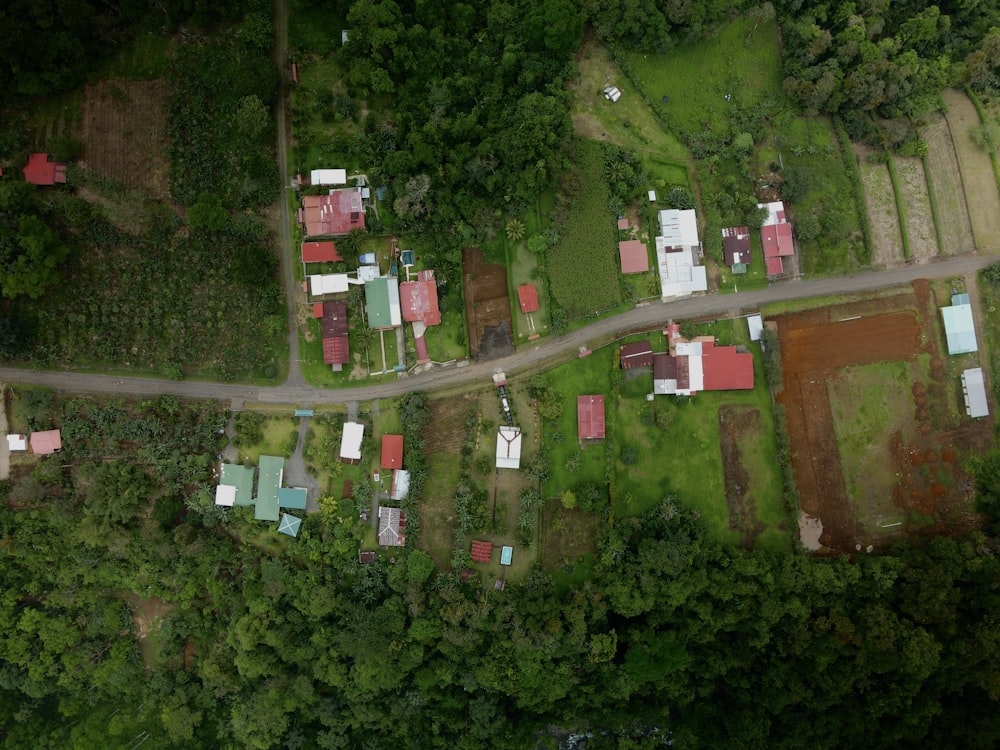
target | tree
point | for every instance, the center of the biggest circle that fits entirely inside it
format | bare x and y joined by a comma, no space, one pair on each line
252,118
680,198
514,229
568,499
35,266
350,245
208,213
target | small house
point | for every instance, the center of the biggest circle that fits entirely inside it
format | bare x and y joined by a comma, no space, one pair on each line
776,237
639,354
235,485
959,327
382,303
45,442
590,417
270,471
527,297
320,252
391,527
392,452
41,170
633,255
334,214
17,442
350,442
328,177
508,447
736,248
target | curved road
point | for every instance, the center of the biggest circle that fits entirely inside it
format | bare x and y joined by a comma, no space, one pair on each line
529,357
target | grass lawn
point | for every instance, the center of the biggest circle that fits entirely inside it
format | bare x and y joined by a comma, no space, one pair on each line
437,512
147,57
522,268
754,278
276,438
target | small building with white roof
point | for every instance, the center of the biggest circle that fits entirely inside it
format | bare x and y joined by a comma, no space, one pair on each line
509,447
350,442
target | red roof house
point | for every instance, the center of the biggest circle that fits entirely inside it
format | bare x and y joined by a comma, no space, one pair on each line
482,551
336,213
320,252
317,309
634,257
725,369
45,442
333,324
776,238
639,354
392,452
419,299
590,417
527,295
41,170
736,245
623,223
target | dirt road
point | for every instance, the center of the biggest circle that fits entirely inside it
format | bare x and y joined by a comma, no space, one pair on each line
546,352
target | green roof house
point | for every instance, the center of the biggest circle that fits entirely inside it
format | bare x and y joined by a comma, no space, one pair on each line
270,471
382,301
235,485
292,497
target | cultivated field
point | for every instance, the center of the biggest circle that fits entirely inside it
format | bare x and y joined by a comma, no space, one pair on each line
882,215
945,181
877,443
123,132
977,171
487,306
917,205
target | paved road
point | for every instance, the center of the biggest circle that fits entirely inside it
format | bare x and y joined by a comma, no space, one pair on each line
546,351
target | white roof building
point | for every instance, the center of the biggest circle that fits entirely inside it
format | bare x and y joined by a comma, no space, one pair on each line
678,254
350,441
974,391
328,283
679,227
400,484
225,495
612,93
328,177
509,447
756,325
17,442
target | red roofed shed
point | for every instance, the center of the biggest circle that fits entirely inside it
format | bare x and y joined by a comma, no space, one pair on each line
634,257
392,452
638,354
45,442
482,551
527,295
320,252
590,417
317,309
725,369
40,170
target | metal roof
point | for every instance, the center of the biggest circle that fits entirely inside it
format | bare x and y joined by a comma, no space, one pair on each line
270,471
527,297
590,417
382,300
350,441
756,325
974,391
634,256
959,329
392,452
240,477
292,497
289,525
509,447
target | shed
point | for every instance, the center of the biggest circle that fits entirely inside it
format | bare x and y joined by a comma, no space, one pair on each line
320,252
508,447
17,442
391,527
527,297
45,442
756,325
328,283
350,442
612,93
959,328
974,391
506,555
400,485
652,196
392,452
481,552
328,177
289,525
41,170
382,301
622,223
240,480
634,256
270,470
225,495
590,417
292,497
639,354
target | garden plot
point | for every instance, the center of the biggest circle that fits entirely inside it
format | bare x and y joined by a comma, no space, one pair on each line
977,172
917,205
882,215
487,306
945,183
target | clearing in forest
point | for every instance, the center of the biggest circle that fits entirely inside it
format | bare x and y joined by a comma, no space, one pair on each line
882,215
945,182
977,171
917,205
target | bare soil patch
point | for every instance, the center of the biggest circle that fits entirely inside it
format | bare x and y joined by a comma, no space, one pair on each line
487,306
945,181
445,430
919,219
882,215
124,135
735,424
148,615
977,171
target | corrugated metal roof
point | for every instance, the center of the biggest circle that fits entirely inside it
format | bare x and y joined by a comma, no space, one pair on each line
590,417
392,452
269,473
527,297
634,256
382,300
974,391
350,440
289,525
959,329
292,497
240,477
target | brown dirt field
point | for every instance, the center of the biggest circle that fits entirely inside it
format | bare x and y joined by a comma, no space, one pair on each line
887,240
123,131
445,430
919,219
487,306
949,194
977,171
734,423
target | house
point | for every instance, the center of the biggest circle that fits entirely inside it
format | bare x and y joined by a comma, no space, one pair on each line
328,283
270,471
350,442
328,177
612,93
959,328
391,527
736,248
292,497
527,297
289,525
235,485
700,365
481,552
334,214
419,300
974,392
633,255
590,417
400,485
45,442
755,323
382,303
678,254
775,237
509,447
41,170
320,252
367,558
17,442
392,452
639,354
333,326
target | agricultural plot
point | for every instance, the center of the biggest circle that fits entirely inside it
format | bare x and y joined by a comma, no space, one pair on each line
977,171
945,184
919,221
882,214
583,266
487,306
877,444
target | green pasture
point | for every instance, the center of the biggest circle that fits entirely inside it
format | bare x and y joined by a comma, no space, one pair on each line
146,57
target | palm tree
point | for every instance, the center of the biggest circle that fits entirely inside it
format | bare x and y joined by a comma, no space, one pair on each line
515,230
